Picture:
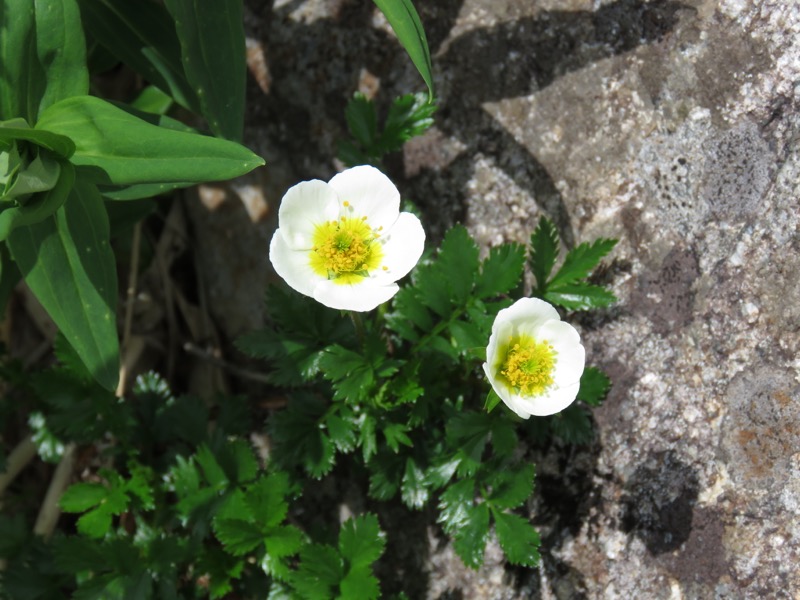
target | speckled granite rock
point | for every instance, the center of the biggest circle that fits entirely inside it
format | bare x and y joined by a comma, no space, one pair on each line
672,126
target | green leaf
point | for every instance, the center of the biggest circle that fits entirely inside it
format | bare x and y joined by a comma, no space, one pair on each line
117,148
470,539
266,499
361,541
22,78
414,488
518,539
142,35
469,432
544,252
82,496
386,472
152,100
409,115
395,435
458,260
572,425
67,262
359,584
455,504
351,373
580,261
239,537
342,432
501,271
298,437
467,336
17,129
61,50
95,523
211,35
319,571
492,400
408,312
40,206
594,386
512,488
403,18
361,120
579,296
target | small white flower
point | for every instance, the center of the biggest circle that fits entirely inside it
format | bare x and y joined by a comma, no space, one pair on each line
345,243
534,360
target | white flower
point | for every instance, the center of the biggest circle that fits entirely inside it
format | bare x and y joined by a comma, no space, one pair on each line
534,360
345,243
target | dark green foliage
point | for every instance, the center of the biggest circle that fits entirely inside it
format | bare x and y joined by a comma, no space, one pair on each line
409,116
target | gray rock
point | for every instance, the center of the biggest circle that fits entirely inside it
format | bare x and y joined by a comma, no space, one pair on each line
672,126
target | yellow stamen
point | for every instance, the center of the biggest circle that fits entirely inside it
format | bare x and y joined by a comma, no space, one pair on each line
346,203
529,365
345,251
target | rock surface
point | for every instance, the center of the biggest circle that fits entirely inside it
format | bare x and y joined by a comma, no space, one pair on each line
673,126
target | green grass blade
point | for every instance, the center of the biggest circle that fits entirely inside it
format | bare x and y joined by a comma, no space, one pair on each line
403,18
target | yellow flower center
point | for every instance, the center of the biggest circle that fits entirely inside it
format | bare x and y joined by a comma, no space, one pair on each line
529,365
345,251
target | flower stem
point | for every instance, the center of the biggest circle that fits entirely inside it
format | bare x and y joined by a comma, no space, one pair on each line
358,324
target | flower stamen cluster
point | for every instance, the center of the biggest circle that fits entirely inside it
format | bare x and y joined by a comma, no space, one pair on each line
345,250
529,365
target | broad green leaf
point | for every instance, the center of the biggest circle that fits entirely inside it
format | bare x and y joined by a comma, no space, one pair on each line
361,541
142,35
512,487
239,537
61,50
18,129
544,252
153,100
579,296
580,261
470,539
518,539
594,386
359,584
40,206
22,78
116,148
211,35
414,487
95,523
501,271
67,261
403,18
82,496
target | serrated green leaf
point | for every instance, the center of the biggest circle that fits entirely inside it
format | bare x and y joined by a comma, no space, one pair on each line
544,252
504,436
458,261
266,499
359,584
580,261
470,539
408,312
443,469
395,434
361,120
319,571
82,496
351,373
281,543
409,116
386,473
368,438
238,461
518,539
501,272
74,554
298,437
594,386
468,432
239,537
95,523
572,425
512,487
361,541
214,473
455,504
342,432
414,488
403,18
579,296
467,336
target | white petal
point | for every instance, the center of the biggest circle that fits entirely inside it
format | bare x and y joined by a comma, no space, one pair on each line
360,297
506,393
528,312
570,354
369,193
550,403
292,265
402,247
303,207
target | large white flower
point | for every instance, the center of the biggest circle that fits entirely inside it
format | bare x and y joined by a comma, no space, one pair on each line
345,243
534,360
